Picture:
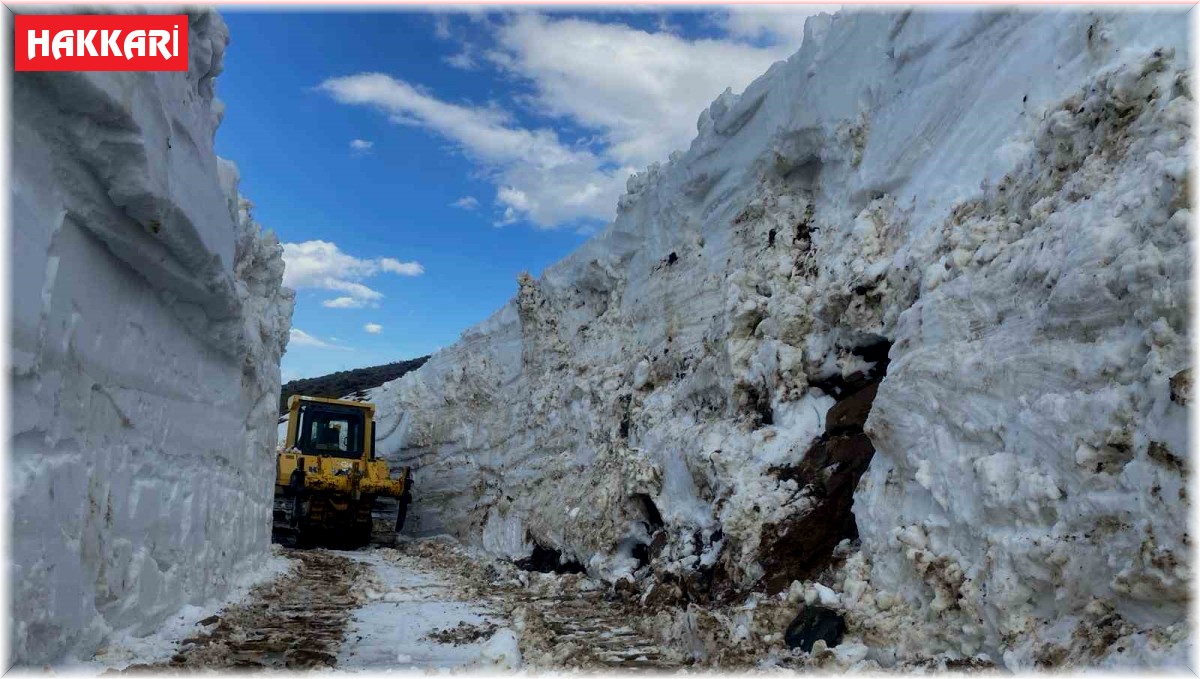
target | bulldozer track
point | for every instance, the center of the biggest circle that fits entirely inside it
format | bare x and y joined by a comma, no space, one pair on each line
329,610
601,636
295,622
598,632
563,629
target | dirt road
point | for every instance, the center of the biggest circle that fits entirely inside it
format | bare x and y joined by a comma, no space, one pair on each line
297,621
434,605
561,621
427,604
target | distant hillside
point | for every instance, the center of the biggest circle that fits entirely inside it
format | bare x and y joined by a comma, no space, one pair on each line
348,382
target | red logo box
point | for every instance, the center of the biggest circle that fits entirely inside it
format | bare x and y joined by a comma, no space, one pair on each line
100,42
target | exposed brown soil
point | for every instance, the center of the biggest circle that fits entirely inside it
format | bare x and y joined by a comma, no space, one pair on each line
801,546
297,621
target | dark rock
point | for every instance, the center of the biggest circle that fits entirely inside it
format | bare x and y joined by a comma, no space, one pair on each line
210,620
664,594
848,454
813,623
852,454
850,451
800,546
658,542
850,414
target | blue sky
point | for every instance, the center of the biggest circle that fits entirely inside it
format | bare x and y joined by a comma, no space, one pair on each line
414,163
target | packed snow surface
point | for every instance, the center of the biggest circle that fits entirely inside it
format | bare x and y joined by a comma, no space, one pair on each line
148,322
410,618
1001,197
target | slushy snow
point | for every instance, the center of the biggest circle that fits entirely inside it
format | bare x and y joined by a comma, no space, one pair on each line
1001,196
148,324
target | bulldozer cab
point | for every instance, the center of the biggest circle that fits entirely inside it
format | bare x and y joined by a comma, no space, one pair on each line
328,482
329,429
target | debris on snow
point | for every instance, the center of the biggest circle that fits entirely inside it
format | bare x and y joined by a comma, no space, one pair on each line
1021,266
462,633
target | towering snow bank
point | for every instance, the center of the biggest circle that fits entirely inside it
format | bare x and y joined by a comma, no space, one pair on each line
148,323
998,196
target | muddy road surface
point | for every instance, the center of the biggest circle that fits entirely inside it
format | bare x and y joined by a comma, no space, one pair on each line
434,605
426,604
297,621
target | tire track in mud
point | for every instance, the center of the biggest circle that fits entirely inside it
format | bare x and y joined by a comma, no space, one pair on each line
588,632
562,622
301,619
297,621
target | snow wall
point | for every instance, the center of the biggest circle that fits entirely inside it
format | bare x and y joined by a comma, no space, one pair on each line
148,324
994,201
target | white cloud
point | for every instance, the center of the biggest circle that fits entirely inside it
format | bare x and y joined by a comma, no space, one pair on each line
373,328
361,145
403,268
299,338
322,265
441,26
559,184
466,203
642,92
343,303
464,60
781,24
637,94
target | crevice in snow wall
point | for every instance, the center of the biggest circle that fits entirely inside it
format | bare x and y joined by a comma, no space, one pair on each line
148,324
802,545
1001,198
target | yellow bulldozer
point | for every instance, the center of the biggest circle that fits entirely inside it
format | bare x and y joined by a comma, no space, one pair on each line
329,487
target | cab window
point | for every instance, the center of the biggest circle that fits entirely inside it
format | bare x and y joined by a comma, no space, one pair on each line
329,430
